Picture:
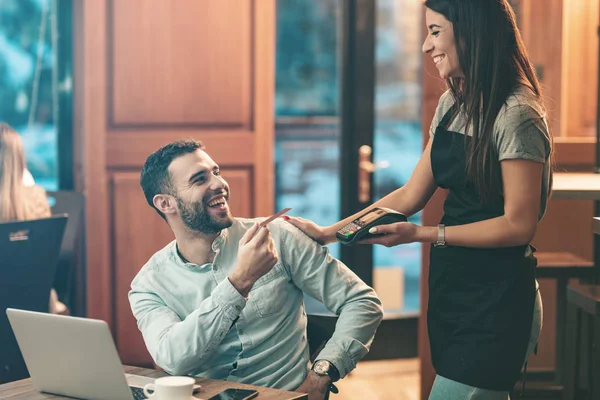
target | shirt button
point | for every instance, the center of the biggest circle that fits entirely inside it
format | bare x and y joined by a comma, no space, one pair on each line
215,268
241,331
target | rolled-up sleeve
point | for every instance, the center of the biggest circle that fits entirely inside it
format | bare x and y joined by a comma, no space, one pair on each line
179,345
328,280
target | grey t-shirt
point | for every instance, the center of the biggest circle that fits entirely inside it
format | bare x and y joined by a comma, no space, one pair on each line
520,132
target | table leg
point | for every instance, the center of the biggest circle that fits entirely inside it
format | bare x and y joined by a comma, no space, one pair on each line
572,360
561,311
593,372
597,241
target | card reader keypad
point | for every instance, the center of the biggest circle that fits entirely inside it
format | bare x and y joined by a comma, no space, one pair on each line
350,229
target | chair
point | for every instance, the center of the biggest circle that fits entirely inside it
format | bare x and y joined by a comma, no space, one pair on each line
319,328
561,266
583,320
71,250
29,255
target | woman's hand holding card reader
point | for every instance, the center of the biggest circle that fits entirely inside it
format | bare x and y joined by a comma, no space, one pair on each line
359,228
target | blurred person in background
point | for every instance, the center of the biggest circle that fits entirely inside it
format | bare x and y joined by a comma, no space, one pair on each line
20,201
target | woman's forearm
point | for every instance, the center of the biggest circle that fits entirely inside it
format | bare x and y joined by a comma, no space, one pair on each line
495,232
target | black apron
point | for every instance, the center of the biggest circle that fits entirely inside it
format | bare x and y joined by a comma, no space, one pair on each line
480,299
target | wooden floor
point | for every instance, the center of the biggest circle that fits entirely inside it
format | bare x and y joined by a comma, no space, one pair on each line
378,380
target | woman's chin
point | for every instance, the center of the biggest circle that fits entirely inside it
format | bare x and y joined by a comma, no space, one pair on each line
443,73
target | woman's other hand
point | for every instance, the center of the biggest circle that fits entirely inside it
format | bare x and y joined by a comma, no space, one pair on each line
398,233
320,234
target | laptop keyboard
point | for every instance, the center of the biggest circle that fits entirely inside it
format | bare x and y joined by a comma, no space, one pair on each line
137,393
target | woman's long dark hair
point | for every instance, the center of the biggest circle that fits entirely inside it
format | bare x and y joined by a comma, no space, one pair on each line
494,61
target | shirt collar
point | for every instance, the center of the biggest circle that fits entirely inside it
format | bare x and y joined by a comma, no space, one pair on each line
216,246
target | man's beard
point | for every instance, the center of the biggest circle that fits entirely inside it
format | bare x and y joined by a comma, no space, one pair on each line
196,217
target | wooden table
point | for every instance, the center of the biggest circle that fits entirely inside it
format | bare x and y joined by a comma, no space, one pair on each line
576,186
23,389
569,186
584,304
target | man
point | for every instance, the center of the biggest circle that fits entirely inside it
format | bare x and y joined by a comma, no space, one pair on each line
225,299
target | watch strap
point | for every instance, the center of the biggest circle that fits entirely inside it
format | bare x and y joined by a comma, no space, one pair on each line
441,236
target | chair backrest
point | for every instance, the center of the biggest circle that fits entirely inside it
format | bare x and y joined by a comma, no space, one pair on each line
28,256
71,203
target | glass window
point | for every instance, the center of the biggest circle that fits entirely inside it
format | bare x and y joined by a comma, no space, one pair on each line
307,143
398,139
28,40
307,140
306,58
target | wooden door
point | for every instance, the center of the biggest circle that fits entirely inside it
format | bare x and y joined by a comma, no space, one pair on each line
148,72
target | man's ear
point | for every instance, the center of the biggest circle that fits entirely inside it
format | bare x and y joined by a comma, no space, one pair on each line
165,203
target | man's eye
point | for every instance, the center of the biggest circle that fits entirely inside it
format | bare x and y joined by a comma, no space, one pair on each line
435,33
218,173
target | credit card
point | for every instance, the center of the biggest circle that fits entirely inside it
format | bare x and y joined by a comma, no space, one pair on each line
272,217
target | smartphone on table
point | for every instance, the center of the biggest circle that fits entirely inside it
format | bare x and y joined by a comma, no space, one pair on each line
235,394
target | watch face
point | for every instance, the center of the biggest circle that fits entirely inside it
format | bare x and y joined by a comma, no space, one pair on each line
321,367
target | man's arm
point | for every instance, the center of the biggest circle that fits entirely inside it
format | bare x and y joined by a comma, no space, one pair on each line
328,280
181,346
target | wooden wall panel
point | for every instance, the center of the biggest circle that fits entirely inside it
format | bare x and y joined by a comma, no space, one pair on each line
240,185
131,148
181,62
580,67
90,116
567,57
545,49
134,219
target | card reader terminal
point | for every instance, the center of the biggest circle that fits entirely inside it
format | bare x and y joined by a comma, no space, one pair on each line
359,228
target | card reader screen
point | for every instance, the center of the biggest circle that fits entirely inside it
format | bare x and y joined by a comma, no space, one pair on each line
371,216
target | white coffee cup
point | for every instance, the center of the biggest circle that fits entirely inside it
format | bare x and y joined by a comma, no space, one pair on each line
170,388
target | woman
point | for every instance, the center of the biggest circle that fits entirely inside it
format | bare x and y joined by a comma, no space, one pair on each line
492,149
18,201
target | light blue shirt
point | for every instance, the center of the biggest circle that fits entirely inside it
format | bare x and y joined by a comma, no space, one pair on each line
194,322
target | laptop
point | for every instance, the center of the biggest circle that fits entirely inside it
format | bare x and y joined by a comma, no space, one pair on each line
74,357
28,257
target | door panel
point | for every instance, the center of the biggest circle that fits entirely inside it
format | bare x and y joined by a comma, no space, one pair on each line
181,62
148,75
133,219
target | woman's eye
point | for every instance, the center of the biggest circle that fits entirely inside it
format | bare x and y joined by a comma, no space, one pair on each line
435,33
217,173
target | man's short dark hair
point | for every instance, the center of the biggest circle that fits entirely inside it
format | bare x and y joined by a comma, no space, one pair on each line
155,178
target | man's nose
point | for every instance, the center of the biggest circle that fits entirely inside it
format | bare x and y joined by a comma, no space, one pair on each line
217,182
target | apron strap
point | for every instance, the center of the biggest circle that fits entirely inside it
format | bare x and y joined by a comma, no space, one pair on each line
446,118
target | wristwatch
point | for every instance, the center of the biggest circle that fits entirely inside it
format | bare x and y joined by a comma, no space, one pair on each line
325,368
441,236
